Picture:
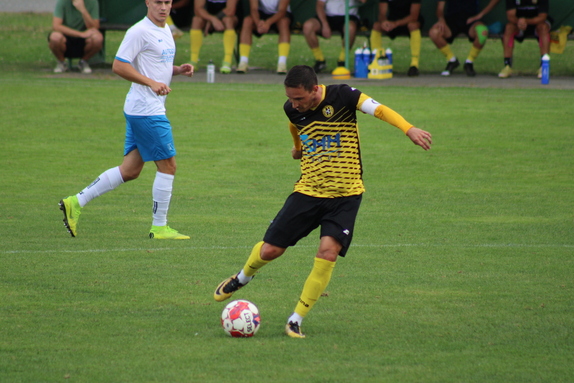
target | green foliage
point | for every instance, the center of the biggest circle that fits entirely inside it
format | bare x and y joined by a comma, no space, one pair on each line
460,270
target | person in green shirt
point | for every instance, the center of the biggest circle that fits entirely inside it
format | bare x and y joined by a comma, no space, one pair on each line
75,32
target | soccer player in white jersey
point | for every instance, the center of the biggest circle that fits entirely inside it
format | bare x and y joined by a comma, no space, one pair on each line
145,58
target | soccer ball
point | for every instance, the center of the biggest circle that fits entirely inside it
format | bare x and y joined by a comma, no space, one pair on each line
240,319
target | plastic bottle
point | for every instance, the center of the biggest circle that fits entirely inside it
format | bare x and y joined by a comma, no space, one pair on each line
211,71
389,54
545,70
359,67
367,59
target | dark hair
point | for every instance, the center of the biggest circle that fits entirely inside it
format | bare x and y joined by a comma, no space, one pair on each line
301,76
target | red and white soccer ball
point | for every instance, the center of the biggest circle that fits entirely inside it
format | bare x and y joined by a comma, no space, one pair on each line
240,319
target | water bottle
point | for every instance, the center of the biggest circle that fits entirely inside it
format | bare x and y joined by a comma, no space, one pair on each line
359,63
211,71
545,70
367,59
389,54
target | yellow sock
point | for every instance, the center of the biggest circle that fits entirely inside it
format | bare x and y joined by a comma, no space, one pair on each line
254,262
244,50
229,39
447,52
318,54
196,38
377,41
284,49
415,47
315,285
474,52
341,55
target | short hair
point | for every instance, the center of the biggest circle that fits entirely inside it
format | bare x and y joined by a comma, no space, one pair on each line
301,76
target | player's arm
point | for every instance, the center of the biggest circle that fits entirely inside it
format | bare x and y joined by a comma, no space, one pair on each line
418,136
412,16
230,8
484,12
297,151
126,71
281,12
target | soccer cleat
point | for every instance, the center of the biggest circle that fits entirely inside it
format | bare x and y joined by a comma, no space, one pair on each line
72,209
242,67
450,67
281,68
165,232
469,69
539,75
413,71
505,72
227,288
319,66
225,68
61,67
84,67
293,330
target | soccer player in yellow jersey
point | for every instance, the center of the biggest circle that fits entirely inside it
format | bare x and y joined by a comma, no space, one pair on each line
323,122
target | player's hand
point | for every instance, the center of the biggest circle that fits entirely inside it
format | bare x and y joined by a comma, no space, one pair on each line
160,89
296,154
185,70
388,25
420,137
522,24
79,4
326,32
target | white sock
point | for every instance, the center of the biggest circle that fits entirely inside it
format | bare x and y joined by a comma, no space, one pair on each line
282,60
453,59
107,181
243,279
295,318
161,192
244,59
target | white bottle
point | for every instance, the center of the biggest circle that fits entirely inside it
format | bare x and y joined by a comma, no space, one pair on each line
545,79
211,71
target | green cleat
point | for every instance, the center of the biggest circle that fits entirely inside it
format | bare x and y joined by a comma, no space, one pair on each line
165,232
225,68
226,288
72,210
293,330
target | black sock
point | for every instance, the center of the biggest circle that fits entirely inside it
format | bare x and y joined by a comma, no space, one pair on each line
508,61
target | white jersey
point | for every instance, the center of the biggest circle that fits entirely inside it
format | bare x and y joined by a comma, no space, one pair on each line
151,51
269,7
337,7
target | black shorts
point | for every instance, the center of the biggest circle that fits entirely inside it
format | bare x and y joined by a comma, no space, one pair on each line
403,30
74,46
301,214
337,23
264,16
531,31
457,25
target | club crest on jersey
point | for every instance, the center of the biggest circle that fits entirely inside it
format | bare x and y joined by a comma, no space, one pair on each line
328,111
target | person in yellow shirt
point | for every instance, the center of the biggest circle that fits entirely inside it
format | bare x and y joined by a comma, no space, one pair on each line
323,123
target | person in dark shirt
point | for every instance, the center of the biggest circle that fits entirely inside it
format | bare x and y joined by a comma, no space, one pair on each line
455,17
525,18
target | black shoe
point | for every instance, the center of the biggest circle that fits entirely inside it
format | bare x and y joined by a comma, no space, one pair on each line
469,69
340,63
293,330
413,71
450,67
319,66
227,288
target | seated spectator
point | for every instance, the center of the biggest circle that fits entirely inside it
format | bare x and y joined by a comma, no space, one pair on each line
330,16
460,16
400,18
265,16
179,17
525,18
75,33
210,16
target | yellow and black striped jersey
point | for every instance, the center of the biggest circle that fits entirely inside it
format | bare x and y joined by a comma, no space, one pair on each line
331,163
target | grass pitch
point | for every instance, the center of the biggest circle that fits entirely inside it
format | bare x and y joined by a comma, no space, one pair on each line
460,271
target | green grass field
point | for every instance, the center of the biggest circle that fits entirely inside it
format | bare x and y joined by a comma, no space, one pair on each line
460,270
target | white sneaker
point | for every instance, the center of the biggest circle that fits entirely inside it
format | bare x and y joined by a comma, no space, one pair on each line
84,67
242,67
61,67
281,68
